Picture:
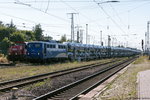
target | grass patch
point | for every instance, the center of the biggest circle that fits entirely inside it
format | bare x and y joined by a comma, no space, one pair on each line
39,84
124,87
25,71
140,59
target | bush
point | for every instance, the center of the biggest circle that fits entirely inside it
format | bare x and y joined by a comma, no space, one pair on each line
1,55
3,59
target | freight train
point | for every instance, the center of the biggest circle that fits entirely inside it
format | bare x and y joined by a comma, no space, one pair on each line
47,51
52,50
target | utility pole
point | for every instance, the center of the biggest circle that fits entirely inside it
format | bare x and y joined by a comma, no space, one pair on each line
78,36
147,39
145,42
109,39
78,32
142,43
101,42
72,26
148,35
86,33
89,38
81,36
148,46
112,42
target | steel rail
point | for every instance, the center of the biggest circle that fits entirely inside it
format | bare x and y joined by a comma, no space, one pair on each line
62,92
100,81
9,64
7,85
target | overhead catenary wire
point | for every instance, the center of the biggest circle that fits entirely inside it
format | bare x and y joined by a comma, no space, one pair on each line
18,18
81,14
141,5
117,14
60,18
100,20
47,6
120,19
31,21
109,17
66,4
80,1
60,1
136,7
66,1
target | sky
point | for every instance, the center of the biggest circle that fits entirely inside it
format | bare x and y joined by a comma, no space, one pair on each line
125,21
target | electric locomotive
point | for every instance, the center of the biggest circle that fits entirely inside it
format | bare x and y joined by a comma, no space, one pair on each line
17,52
46,51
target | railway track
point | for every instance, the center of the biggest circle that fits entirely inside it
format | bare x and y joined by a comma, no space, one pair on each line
7,85
9,64
73,90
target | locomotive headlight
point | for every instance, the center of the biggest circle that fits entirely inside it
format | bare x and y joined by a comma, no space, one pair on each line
15,53
38,53
28,53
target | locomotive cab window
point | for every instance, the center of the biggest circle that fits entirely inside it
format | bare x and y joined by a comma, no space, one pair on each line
52,46
48,46
29,45
37,45
34,45
61,47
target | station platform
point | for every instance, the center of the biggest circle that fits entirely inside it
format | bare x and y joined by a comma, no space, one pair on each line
144,85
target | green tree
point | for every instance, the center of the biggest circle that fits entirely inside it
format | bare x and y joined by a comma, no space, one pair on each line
11,27
17,36
4,45
38,32
63,38
29,35
47,38
4,32
1,24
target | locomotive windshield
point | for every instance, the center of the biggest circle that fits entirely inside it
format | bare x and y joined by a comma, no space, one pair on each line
35,45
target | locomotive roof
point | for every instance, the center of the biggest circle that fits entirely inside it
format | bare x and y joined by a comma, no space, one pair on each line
45,42
21,42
